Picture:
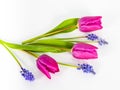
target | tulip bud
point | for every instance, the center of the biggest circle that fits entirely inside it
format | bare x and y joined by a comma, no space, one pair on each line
47,64
89,23
84,51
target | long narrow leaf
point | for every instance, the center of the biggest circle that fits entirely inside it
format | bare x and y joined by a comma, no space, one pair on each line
66,26
53,42
37,48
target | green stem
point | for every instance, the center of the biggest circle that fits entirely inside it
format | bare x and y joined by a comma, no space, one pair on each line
31,53
71,38
36,56
84,41
45,35
69,65
11,53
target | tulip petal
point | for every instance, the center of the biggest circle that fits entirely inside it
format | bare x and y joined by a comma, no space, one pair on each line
50,63
89,28
89,20
43,69
84,51
47,64
90,23
85,54
84,45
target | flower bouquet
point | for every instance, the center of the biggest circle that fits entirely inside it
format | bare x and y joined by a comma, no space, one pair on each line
80,47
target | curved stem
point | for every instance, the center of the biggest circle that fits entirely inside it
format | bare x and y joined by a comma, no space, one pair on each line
11,54
47,34
31,53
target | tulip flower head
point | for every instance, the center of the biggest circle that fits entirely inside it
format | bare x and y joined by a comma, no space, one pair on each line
47,64
84,51
89,23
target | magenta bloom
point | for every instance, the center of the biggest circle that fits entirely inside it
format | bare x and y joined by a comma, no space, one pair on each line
47,64
84,51
89,23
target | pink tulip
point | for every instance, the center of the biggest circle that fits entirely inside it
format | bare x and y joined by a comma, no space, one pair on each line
89,23
84,51
47,64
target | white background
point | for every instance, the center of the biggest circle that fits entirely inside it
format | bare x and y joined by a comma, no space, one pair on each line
23,19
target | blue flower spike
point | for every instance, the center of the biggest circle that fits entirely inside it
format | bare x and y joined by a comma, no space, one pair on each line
86,68
102,42
27,74
92,37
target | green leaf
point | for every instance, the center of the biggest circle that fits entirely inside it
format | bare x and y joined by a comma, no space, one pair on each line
37,48
66,26
53,42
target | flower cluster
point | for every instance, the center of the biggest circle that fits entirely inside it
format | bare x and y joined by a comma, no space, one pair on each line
27,75
94,37
78,46
86,68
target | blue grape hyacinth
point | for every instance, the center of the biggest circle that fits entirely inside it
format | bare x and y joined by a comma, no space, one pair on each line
86,68
94,37
102,41
27,74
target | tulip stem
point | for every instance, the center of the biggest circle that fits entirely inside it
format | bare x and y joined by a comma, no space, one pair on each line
47,34
11,53
84,41
69,65
31,53
36,56
71,38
